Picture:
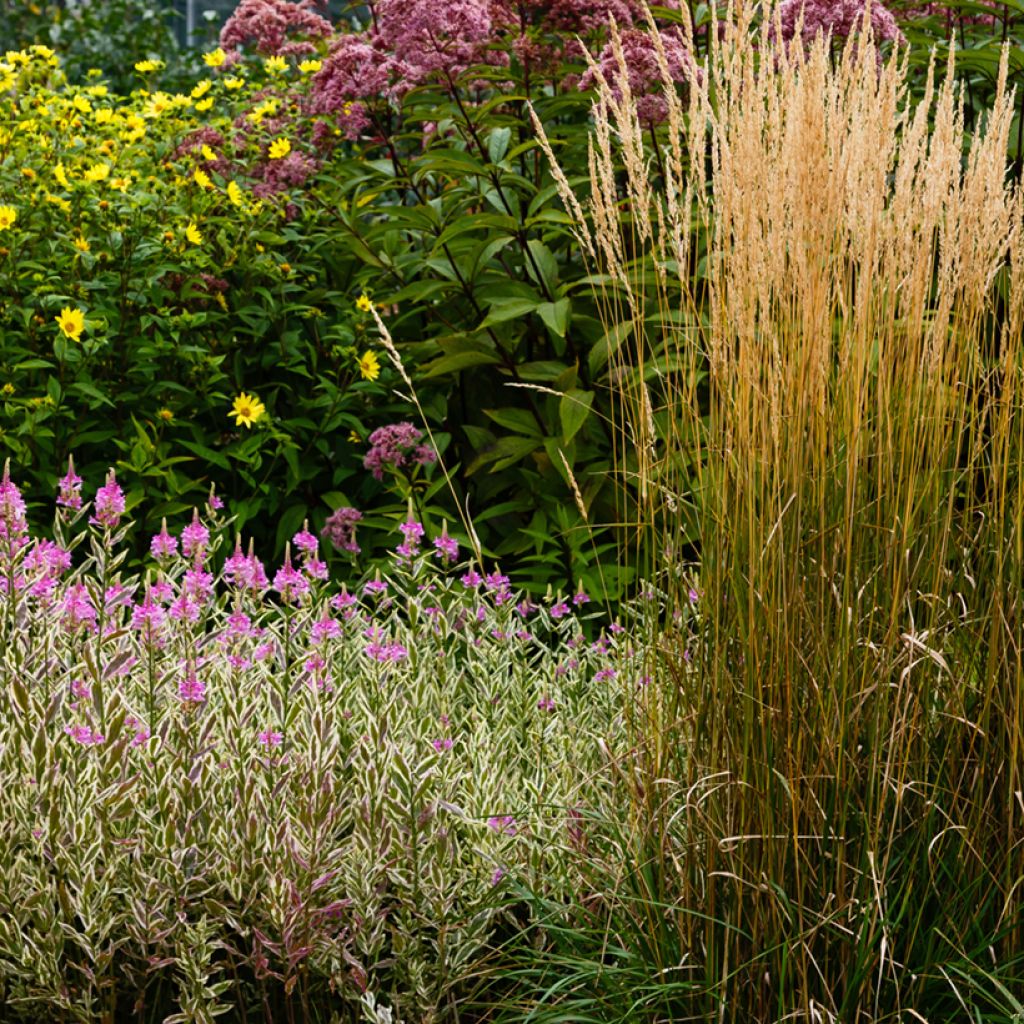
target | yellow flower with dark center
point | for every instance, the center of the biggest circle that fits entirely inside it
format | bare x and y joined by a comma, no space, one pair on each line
202,179
279,149
71,322
215,58
369,365
8,215
81,244
166,415
363,303
8,389
193,234
246,409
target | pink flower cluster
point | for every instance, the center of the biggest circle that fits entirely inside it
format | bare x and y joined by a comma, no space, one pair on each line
644,77
398,447
837,19
270,25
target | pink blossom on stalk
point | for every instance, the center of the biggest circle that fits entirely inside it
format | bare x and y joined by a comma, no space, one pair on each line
148,618
559,609
271,738
289,582
70,495
398,446
84,735
325,628
13,524
447,548
305,542
108,506
546,704
77,607
195,538
163,545
442,744
191,690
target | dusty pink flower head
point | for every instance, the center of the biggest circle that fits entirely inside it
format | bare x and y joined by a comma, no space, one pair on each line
397,446
13,523
643,73
434,38
354,73
270,26
836,18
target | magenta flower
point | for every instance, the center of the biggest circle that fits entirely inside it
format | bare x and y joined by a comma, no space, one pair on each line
546,704
195,538
148,618
559,609
290,583
440,745
503,824
323,629
472,579
84,735
604,675
191,690
447,548
305,542
70,495
108,506
271,738
13,525
163,545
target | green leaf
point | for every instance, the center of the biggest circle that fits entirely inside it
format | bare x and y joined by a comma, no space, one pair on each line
497,144
555,315
573,410
519,420
608,346
503,310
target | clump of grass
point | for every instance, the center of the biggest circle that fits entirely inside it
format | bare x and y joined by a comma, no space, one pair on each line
822,392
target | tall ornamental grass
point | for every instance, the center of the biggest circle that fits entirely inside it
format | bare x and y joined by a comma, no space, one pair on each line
832,822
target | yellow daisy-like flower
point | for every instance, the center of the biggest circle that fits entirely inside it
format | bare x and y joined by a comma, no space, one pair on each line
104,115
234,83
193,234
246,409
71,322
98,172
145,67
215,58
201,89
203,105
82,244
166,415
275,65
363,303
82,105
201,178
8,215
369,366
279,149
235,194
60,175
206,153
310,66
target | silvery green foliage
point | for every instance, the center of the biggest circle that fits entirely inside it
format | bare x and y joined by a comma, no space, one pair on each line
327,795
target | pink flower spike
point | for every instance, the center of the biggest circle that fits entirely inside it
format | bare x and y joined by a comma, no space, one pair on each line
108,506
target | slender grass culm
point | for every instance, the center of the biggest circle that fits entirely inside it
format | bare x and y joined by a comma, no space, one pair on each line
821,284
